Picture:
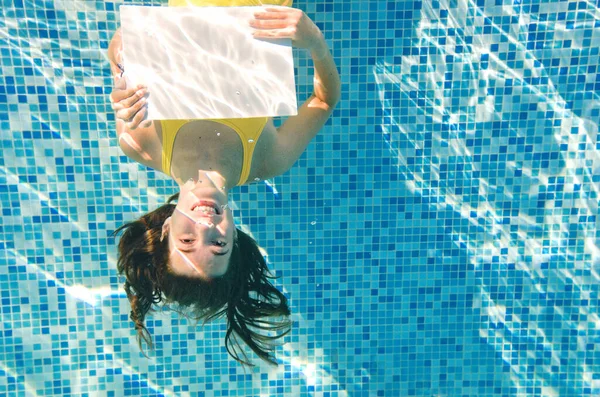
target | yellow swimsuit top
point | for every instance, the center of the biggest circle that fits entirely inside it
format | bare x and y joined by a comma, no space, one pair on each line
248,129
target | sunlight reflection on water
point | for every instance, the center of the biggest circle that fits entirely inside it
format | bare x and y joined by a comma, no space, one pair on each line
229,73
503,144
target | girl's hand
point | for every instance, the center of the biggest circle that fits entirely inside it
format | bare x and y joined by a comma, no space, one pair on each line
288,23
129,103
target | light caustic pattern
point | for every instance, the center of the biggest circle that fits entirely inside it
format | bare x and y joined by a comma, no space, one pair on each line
496,123
240,76
64,323
61,284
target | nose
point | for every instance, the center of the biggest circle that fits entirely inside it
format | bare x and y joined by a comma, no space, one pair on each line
214,232
207,224
213,223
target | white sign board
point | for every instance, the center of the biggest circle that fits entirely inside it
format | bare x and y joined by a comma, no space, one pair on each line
203,62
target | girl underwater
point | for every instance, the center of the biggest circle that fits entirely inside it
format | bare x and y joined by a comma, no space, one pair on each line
190,254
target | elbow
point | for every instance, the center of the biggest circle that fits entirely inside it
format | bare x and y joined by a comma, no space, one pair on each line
329,94
327,99
336,93
330,102
333,99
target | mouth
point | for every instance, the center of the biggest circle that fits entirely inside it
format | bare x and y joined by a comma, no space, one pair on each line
206,208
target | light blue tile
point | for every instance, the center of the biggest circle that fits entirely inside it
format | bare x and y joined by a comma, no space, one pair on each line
438,237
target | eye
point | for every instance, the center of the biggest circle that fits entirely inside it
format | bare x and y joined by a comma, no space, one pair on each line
187,241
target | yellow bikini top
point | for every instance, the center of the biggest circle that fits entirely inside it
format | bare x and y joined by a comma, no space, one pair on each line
248,129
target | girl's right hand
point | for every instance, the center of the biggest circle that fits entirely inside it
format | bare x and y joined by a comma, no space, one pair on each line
129,103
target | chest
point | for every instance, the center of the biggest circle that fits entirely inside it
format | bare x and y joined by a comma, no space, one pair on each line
207,142
211,145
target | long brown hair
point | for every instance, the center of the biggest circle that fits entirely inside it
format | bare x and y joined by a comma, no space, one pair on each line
256,311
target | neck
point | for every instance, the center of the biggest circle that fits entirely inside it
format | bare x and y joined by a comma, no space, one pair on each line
183,174
203,176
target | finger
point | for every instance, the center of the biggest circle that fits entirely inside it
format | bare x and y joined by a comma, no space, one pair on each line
265,34
120,82
135,109
278,9
269,24
126,98
139,117
126,103
135,96
118,86
119,92
273,34
270,15
129,113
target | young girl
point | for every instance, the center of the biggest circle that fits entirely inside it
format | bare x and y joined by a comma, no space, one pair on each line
190,254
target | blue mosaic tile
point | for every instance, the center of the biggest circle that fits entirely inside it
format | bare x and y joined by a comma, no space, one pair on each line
438,237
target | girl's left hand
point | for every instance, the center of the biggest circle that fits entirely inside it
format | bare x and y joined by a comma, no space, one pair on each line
287,23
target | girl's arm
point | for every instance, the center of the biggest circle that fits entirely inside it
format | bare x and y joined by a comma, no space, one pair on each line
296,132
129,108
114,54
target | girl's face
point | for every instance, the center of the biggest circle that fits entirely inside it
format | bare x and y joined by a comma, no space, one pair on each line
201,230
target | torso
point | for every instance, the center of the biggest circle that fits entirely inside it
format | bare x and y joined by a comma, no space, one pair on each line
208,144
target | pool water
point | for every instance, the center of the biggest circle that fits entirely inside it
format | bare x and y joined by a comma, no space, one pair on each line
439,237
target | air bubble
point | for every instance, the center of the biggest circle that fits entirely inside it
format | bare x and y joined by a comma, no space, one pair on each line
237,93
218,134
250,140
313,223
257,179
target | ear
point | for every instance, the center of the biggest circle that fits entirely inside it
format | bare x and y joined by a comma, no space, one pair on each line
165,228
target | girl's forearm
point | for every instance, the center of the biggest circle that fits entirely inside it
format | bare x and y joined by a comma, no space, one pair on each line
326,79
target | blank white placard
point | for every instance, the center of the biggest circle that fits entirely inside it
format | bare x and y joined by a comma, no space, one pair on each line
203,62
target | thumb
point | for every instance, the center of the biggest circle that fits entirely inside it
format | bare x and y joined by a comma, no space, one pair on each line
120,82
